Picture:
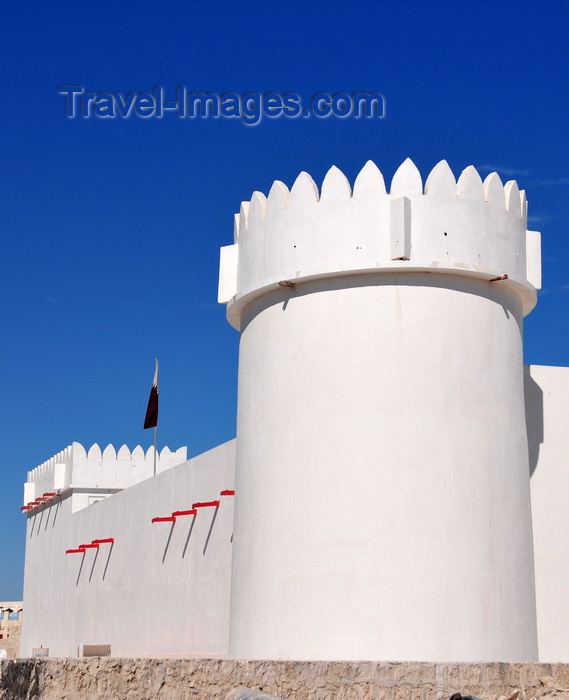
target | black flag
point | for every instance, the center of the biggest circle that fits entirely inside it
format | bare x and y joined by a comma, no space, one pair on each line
151,420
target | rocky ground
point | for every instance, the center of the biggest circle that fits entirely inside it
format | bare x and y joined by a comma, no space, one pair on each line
109,678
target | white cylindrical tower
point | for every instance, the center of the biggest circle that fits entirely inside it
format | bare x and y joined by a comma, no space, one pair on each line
382,490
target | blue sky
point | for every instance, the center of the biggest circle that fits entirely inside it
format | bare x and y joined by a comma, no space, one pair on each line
111,228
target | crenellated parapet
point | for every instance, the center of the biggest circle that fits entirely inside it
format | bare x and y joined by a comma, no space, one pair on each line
76,468
467,227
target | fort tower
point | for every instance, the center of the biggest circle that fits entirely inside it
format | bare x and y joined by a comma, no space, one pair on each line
382,485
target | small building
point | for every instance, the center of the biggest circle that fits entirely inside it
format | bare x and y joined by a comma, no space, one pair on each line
11,614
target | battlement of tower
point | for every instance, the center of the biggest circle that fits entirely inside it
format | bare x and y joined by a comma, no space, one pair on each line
75,467
469,226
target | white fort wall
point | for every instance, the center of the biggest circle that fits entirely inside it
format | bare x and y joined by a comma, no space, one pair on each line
382,498
547,392
382,461
172,608
159,588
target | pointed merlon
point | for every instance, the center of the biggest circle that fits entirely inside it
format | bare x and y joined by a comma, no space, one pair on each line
513,201
369,182
335,186
109,452
77,451
304,190
494,190
138,453
94,452
407,180
278,198
470,185
441,182
243,214
257,209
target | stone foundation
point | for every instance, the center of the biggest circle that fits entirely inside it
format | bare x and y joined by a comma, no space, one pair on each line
213,679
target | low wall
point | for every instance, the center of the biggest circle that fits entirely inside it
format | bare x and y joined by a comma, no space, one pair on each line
212,679
151,588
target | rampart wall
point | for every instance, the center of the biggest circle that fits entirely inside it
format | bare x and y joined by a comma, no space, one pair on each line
145,587
546,392
163,588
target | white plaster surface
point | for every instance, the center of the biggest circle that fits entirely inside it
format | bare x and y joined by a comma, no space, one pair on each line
382,474
382,459
547,393
160,588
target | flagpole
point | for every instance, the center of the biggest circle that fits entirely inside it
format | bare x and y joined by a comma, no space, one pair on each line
155,443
